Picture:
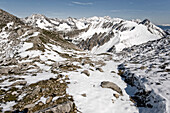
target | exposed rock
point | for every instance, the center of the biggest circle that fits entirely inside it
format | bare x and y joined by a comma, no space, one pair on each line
113,72
145,22
14,70
49,100
4,71
40,103
19,32
95,40
36,90
9,62
116,95
30,32
84,95
111,85
112,49
29,106
19,83
18,111
5,18
86,72
99,69
65,107
55,65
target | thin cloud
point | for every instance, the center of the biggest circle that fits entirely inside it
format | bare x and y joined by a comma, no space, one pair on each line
115,11
124,10
82,3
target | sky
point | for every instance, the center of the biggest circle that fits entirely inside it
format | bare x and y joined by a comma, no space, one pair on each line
158,11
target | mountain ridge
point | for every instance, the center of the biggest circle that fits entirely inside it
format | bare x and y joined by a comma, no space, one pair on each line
84,31
72,65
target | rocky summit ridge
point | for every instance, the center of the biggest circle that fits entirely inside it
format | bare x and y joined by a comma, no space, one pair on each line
96,65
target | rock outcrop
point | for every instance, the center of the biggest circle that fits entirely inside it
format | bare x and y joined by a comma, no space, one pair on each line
111,85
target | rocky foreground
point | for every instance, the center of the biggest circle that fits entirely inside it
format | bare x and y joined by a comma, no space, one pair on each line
45,69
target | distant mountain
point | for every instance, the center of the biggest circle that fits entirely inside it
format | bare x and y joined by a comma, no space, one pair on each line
164,27
99,34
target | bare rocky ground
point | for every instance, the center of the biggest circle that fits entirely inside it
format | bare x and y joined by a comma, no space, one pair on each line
31,75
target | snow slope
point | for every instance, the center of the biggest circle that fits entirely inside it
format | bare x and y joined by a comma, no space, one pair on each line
97,99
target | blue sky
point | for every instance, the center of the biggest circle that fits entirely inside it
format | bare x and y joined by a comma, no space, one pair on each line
158,11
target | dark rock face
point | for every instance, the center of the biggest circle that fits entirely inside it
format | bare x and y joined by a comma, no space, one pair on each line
112,49
96,40
145,22
24,111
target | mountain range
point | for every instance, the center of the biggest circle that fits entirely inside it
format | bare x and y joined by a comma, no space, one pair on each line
88,65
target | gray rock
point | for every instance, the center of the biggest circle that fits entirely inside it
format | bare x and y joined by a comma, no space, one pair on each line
65,107
19,32
4,71
60,108
36,90
111,85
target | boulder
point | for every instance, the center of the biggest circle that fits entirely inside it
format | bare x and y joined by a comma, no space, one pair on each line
99,69
111,85
63,108
86,72
116,95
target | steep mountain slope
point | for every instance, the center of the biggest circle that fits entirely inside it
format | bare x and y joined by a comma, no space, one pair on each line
146,68
5,18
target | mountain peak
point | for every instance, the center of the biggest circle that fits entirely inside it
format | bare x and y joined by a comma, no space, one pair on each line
146,22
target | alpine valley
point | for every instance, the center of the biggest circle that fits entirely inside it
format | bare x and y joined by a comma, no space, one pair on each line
86,65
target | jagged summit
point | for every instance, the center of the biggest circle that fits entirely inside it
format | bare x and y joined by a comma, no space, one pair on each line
146,22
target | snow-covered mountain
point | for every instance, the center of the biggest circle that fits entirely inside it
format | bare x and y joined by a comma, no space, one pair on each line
43,65
100,34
